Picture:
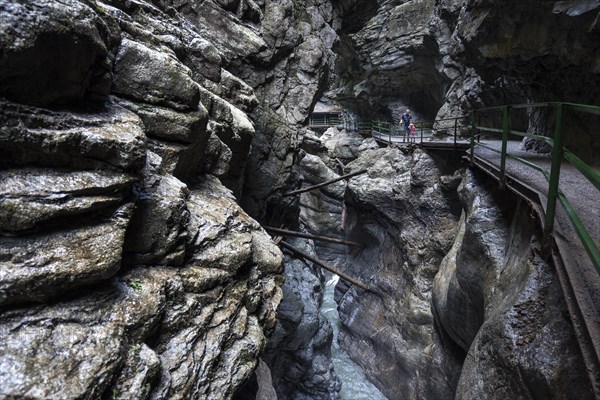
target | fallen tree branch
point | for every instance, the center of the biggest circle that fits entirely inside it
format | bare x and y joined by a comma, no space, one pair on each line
321,264
309,236
320,185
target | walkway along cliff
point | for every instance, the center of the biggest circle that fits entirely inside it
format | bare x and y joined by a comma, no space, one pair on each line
144,144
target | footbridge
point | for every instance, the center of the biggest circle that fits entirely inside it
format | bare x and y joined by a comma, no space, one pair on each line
562,190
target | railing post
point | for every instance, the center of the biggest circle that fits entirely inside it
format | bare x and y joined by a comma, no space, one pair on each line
455,130
473,129
505,132
557,154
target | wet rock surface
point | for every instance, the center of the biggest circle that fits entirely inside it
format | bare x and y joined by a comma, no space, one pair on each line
461,306
127,268
502,304
406,220
299,351
131,130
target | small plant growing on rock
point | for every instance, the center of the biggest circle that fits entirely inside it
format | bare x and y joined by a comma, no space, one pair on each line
135,284
135,349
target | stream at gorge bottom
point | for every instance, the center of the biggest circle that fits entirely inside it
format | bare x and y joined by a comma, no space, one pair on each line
355,385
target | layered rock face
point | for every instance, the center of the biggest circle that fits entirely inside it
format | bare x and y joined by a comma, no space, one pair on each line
127,268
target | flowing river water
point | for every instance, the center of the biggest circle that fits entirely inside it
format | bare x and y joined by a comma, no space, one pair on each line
355,385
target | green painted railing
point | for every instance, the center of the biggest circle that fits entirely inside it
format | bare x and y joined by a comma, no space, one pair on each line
452,127
324,121
555,195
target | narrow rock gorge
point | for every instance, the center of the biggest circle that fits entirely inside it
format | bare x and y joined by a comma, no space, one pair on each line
146,144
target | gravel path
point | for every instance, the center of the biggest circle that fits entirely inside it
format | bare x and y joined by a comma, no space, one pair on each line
582,194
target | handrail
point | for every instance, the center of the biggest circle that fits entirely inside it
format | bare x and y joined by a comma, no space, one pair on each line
324,121
559,152
396,129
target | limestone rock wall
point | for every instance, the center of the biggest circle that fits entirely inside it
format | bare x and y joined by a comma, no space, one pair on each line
128,131
462,306
404,211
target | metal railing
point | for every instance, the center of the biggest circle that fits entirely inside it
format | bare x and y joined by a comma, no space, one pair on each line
324,121
454,127
559,152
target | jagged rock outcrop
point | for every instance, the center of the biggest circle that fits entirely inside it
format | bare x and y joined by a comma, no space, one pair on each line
129,132
406,218
128,270
502,305
283,52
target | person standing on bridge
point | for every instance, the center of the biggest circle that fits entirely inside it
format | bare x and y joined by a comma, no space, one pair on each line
406,118
413,132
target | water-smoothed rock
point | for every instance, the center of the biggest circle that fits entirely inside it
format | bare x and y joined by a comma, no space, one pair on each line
502,304
406,221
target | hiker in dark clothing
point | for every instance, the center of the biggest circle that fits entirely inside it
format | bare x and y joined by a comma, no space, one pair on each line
406,118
